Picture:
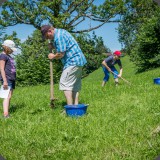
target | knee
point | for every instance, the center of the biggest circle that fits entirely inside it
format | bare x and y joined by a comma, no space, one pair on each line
9,96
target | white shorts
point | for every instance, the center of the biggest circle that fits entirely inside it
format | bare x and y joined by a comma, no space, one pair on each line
71,79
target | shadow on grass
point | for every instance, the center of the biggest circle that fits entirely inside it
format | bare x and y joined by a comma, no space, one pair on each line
18,106
36,111
59,104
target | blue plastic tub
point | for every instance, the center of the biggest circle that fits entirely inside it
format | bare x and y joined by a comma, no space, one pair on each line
76,110
157,81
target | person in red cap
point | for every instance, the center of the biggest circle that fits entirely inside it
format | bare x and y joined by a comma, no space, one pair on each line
108,66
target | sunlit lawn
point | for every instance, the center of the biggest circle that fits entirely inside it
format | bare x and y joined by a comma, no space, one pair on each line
119,123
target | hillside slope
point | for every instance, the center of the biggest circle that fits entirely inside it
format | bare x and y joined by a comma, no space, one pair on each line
119,123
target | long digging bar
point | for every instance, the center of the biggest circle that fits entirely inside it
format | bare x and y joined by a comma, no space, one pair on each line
52,98
51,85
122,78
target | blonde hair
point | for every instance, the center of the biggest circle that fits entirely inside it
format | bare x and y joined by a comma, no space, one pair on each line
7,50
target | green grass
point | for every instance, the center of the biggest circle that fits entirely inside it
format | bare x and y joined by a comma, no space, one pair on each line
118,124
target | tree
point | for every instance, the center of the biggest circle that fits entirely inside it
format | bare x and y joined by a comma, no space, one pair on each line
1,33
2,1
92,47
4,36
138,33
136,14
33,64
146,53
65,14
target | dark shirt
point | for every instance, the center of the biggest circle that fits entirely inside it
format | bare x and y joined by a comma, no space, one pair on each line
111,62
10,69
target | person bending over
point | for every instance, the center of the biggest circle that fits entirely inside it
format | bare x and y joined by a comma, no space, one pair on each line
108,66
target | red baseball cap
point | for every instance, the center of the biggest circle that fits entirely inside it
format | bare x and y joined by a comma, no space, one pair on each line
117,53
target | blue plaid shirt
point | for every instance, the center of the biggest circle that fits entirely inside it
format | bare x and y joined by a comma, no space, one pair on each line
64,42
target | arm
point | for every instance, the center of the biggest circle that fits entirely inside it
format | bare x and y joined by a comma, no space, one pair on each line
55,56
120,72
2,67
105,64
121,69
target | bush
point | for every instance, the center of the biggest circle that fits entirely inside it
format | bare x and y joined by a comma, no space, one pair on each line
146,53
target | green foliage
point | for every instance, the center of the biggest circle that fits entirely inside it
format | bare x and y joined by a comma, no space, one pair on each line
65,14
136,14
146,53
4,36
138,32
1,32
92,47
33,64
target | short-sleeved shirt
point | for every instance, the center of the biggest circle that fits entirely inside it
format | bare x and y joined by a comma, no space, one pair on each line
10,69
110,61
65,42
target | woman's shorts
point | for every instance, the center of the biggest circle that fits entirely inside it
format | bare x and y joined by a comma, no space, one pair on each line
11,84
71,79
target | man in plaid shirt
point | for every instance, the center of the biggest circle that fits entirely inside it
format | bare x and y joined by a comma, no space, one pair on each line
73,59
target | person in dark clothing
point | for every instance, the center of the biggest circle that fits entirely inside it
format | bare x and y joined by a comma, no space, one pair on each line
108,66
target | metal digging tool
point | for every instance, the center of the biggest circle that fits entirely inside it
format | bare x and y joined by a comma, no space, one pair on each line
122,78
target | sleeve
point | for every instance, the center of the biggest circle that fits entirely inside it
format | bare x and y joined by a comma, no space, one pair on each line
61,42
119,63
3,57
108,59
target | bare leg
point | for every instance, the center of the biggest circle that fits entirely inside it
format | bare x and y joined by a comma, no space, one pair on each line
6,103
103,83
75,98
68,95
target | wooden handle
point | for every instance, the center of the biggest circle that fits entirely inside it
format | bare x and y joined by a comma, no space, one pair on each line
51,81
122,78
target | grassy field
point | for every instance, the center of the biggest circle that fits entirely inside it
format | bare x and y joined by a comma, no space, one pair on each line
119,124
